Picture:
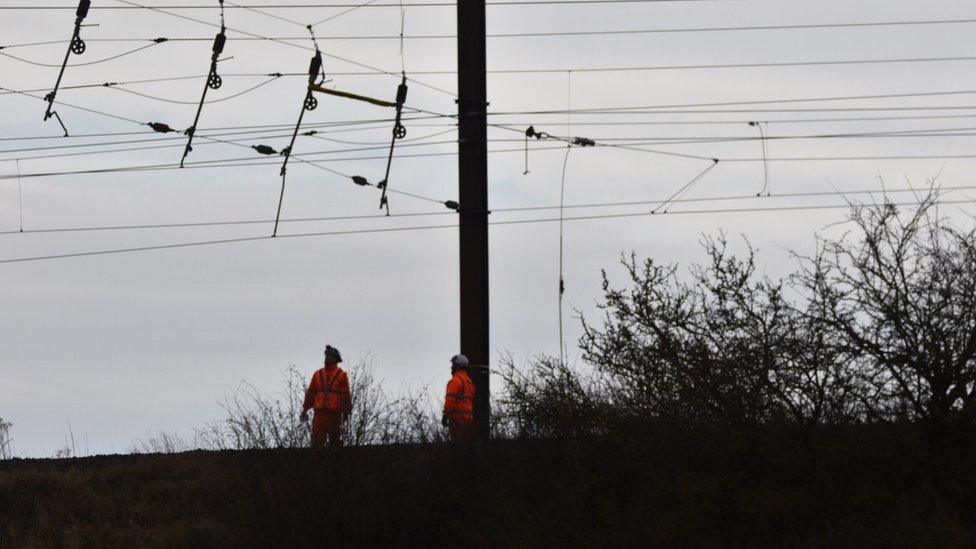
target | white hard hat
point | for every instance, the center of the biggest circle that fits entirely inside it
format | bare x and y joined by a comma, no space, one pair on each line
459,360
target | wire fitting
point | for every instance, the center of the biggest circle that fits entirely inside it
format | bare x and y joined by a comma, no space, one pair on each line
264,149
160,127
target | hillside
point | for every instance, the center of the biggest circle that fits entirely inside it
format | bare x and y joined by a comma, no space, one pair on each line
877,486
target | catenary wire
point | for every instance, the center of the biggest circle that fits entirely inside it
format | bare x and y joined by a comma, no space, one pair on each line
605,32
647,68
302,159
452,226
249,161
516,209
207,102
333,56
85,64
334,6
590,110
258,131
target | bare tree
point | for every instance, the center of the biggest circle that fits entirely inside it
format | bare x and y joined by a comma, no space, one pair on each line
900,289
550,399
726,346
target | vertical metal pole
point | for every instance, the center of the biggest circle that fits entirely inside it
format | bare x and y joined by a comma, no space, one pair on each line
473,196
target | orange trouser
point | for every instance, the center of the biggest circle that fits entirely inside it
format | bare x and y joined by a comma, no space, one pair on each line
326,429
460,428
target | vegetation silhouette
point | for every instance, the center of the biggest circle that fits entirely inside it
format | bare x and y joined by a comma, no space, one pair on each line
833,406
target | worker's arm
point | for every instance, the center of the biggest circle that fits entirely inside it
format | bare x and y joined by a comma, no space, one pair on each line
313,388
450,400
345,395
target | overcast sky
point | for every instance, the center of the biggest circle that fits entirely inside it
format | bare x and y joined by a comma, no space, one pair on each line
124,345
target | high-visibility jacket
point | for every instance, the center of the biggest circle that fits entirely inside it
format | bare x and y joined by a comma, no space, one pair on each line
329,391
459,402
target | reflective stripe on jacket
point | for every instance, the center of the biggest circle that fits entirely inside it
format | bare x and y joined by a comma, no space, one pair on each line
459,402
329,391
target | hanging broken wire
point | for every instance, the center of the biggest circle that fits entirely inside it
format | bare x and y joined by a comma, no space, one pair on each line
214,81
75,46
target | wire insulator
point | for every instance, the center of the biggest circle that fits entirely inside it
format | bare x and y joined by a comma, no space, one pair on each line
219,41
160,127
401,96
264,149
314,67
452,205
83,9
360,180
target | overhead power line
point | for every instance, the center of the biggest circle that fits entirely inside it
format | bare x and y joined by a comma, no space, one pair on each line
85,64
250,162
108,84
375,70
242,135
671,140
588,110
224,223
25,7
516,209
604,32
747,102
452,226
646,68
343,126
928,108
740,122
421,141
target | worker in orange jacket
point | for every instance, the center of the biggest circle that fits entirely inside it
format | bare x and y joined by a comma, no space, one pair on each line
459,402
328,394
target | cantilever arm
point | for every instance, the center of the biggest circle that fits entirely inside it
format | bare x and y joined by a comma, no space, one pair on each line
349,95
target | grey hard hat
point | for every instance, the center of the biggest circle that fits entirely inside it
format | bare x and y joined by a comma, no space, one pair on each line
459,360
